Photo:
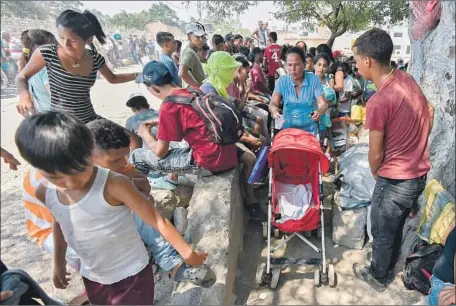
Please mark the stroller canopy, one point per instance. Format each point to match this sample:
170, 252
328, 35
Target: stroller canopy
296, 153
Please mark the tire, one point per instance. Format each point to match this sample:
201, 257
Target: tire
261, 271
275, 278
331, 275
265, 230
276, 233
317, 279
319, 232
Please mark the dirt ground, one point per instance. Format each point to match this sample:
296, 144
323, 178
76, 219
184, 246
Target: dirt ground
296, 282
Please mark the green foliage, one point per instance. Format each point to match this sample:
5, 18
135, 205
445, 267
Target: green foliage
342, 16
158, 12
40, 10
225, 9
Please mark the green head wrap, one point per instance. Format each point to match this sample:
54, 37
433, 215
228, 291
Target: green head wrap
220, 71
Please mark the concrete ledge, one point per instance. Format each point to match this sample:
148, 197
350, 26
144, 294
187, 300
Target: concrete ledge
215, 225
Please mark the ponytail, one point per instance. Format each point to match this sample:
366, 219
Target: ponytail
85, 25
96, 26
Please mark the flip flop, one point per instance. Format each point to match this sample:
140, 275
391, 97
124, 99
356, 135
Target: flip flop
162, 183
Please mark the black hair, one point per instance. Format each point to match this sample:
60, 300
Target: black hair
55, 142
217, 40
178, 45
85, 24
283, 52
205, 47
138, 102
305, 45
324, 48
244, 50
308, 55
321, 56
298, 51
393, 64
108, 135
163, 37
273, 36
254, 53
313, 51
346, 67
238, 36
376, 44
241, 58
32, 39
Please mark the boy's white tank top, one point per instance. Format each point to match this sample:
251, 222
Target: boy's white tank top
104, 236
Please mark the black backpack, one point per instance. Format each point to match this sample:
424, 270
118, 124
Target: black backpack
222, 118
424, 258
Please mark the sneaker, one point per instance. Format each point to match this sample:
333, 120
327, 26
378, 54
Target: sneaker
365, 275
180, 219
256, 213
201, 276
162, 183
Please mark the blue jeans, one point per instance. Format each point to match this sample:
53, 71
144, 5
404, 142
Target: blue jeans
437, 285
391, 203
134, 56
166, 257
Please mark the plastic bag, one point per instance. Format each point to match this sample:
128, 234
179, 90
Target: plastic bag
348, 226
358, 182
261, 165
426, 16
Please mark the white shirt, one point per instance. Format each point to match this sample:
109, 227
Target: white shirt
103, 236
348, 87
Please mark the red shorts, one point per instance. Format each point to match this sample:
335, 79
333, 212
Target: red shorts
134, 290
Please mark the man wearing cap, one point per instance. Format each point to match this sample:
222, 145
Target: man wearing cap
229, 44
177, 122
190, 69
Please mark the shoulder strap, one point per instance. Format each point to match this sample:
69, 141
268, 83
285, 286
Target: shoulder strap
179, 99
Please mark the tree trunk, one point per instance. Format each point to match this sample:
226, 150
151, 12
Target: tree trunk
331, 39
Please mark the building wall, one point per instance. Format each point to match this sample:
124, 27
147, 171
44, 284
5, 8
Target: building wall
433, 66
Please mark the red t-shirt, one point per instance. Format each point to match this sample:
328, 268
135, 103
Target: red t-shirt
400, 110
272, 55
257, 77
178, 121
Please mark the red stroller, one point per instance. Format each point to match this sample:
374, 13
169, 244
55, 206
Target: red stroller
296, 158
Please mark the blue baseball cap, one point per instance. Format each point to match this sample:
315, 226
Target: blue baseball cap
154, 73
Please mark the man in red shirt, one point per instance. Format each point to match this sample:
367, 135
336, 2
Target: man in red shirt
257, 74
399, 120
272, 56
179, 122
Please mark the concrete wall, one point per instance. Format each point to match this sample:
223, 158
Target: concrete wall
433, 66
216, 226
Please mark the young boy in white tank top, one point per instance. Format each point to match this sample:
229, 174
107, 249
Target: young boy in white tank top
92, 210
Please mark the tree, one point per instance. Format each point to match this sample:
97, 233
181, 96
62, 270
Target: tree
158, 12
339, 16
225, 9
40, 10
342, 16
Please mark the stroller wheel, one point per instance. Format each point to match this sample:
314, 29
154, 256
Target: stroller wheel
261, 273
331, 275
317, 281
319, 232
265, 230
276, 233
275, 278
308, 234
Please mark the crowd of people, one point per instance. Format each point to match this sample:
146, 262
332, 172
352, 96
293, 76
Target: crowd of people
87, 193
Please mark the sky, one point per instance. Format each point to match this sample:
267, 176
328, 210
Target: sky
248, 20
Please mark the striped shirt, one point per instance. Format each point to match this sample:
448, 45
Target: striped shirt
71, 93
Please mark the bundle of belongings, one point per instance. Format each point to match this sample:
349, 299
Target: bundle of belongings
351, 214
423, 245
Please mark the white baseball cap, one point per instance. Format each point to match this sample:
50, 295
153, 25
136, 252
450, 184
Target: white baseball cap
195, 28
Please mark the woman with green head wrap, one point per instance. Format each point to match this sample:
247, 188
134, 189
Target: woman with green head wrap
220, 73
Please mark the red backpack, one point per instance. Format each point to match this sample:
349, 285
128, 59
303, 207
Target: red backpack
222, 118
